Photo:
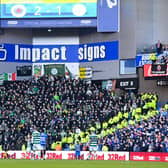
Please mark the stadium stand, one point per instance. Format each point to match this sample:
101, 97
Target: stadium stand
159, 52
69, 110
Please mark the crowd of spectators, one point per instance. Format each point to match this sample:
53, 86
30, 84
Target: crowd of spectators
148, 136
68, 110
161, 52
158, 52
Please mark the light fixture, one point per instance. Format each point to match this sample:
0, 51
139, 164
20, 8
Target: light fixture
49, 30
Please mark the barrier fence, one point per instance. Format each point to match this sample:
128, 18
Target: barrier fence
70, 155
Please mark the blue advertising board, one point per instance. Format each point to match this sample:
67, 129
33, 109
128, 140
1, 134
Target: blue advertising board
143, 59
108, 16
102, 51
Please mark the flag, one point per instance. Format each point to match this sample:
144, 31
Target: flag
68, 74
85, 72
54, 69
37, 70
10, 76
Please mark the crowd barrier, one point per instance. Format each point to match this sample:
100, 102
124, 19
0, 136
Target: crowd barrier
70, 155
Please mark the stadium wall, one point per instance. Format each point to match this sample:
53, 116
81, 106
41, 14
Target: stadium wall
160, 14
57, 36
20, 36
144, 23
23, 36
151, 24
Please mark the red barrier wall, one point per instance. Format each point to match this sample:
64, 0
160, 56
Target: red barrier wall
149, 156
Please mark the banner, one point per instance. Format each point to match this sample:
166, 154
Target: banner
24, 71
109, 85
85, 72
143, 59
165, 157
159, 68
138, 156
148, 71
149, 156
69, 155
127, 83
37, 71
162, 82
54, 69
108, 16
154, 157
102, 51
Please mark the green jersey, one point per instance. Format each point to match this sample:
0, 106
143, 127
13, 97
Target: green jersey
36, 137
93, 140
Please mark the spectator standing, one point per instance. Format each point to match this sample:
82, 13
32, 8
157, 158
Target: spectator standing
159, 47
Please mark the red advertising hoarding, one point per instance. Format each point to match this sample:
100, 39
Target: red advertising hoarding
149, 156
148, 71
137, 156
153, 156
68, 155
165, 157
